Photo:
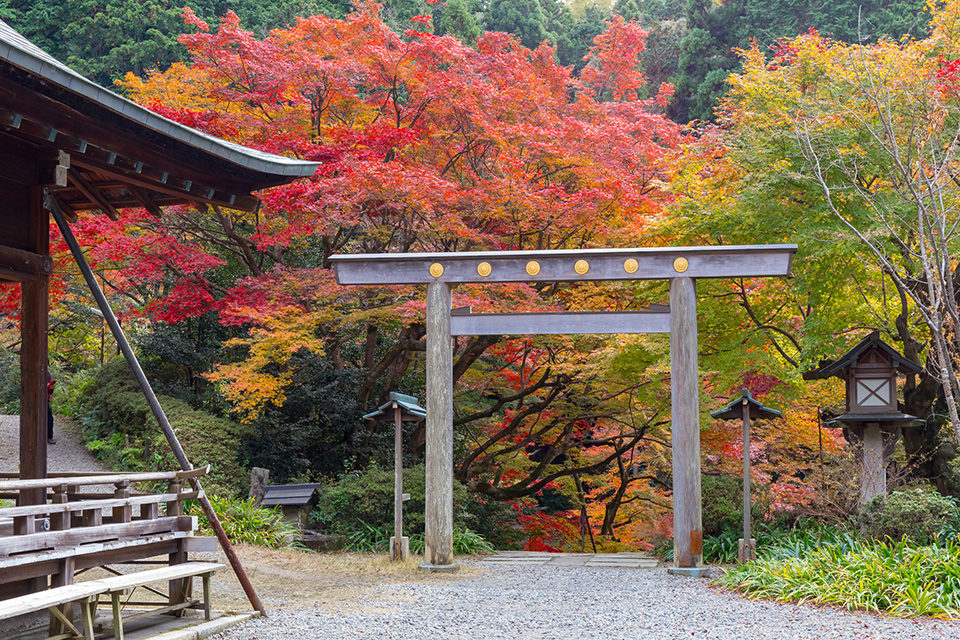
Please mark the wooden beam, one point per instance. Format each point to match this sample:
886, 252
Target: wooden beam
18, 264
145, 200
93, 195
508, 324
565, 265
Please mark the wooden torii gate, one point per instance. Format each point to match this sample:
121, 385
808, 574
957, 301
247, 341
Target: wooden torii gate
682, 266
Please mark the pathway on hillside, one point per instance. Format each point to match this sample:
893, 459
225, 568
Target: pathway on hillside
68, 454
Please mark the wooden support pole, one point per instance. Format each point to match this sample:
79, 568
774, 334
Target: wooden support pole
399, 548
873, 480
685, 424
746, 549
51, 204
33, 366
438, 529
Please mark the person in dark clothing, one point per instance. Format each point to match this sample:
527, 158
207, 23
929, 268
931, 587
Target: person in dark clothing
51, 383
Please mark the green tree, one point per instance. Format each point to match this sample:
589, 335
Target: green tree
522, 18
457, 19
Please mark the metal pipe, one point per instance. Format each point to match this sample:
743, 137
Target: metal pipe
50, 203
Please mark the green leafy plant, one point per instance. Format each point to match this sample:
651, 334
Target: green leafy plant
892, 577
772, 542
245, 521
915, 514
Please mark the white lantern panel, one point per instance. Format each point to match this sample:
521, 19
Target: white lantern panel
873, 392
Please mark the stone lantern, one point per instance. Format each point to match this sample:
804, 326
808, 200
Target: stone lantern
870, 371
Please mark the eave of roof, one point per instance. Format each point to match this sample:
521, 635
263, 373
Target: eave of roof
836, 367
734, 409
22, 53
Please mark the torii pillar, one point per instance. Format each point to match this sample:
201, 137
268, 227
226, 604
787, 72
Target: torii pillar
682, 266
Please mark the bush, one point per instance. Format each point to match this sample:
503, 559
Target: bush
361, 500
893, 577
244, 521
723, 504
120, 430
914, 514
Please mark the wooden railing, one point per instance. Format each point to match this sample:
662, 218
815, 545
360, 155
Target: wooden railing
69, 517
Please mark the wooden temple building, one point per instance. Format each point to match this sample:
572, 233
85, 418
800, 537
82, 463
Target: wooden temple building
67, 146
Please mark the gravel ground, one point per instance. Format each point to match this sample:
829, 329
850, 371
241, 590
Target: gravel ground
68, 454
548, 603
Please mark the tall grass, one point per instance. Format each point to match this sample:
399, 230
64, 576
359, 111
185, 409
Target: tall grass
892, 577
377, 539
772, 542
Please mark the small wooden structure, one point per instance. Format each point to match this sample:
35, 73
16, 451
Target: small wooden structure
68, 145
440, 272
399, 409
746, 408
870, 370
296, 501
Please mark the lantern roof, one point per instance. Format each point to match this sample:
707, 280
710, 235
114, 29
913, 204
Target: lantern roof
734, 408
839, 367
410, 411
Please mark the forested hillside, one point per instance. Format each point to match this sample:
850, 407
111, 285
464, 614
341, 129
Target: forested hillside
526, 124
691, 43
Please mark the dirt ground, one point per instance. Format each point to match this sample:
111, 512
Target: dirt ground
332, 582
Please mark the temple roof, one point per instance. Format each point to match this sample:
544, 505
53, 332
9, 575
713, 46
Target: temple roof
114, 143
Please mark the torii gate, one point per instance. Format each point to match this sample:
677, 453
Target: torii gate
681, 265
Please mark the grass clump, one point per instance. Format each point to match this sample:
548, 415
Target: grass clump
891, 577
245, 522
369, 538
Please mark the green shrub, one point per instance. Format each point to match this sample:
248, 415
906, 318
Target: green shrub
915, 514
892, 577
244, 521
364, 499
120, 430
723, 504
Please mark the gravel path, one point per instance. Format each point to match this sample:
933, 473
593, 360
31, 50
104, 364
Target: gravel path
580, 603
68, 454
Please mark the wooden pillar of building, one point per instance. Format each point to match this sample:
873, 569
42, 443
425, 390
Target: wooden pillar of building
438, 527
33, 358
685, 421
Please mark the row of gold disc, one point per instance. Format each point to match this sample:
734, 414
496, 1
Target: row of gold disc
630, 265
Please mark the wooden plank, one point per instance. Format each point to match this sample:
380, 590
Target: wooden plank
566, 265
84, 535
41, 600
506, 324
438, 529
83, 505
685, 422
113, 478
163, 574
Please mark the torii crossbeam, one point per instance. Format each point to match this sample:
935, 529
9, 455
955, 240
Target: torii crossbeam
680, 265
